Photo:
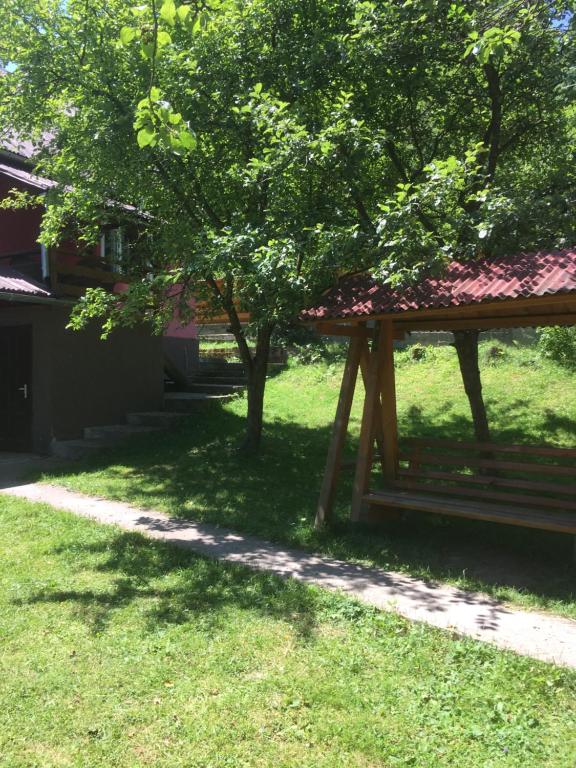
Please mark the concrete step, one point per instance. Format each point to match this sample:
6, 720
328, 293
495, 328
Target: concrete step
215, 389
116, 432
186, 402
238, 381
219, 367
77, 449
160, 419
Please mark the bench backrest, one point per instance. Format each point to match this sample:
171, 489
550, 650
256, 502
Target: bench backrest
537, 476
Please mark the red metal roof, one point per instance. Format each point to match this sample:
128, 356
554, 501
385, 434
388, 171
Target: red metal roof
524, 275
12, 281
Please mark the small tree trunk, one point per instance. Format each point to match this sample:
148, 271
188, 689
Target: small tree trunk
466, 343
257, 370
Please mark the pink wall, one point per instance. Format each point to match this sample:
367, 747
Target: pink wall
19, 230
177, 330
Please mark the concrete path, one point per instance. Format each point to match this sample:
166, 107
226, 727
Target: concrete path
537, 635
17, 466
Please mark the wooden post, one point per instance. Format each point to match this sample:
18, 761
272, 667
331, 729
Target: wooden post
364, 364
388, 412
370, 413
339, 431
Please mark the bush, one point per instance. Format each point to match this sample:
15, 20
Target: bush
559, 344
318, 351
494, 353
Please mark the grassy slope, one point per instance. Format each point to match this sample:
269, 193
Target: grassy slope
194, 472
118, 651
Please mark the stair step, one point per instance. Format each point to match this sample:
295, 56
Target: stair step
116, 432
215, 389
238, 381
184, 402
76, 449
161, 419
219, 366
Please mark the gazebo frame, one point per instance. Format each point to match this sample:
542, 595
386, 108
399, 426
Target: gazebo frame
371, 353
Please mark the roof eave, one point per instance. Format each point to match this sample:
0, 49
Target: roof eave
29, 298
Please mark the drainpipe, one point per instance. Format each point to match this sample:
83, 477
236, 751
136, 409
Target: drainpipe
45, 262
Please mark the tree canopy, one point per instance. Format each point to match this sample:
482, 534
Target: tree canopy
270, 145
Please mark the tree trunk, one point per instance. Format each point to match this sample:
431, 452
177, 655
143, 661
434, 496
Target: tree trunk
257, 370
466, 343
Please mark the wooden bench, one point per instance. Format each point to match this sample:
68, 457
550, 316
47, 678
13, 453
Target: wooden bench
524, 485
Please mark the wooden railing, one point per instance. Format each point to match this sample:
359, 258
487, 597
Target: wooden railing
82, 277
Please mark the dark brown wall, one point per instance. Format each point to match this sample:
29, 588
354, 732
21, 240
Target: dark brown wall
80, 381
97, 382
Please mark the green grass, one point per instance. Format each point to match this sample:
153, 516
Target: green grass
119, 652
194, 472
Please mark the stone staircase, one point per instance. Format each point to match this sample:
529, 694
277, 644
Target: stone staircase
216, 381
218, 377
96, 439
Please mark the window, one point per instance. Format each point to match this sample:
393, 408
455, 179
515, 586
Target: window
114, 248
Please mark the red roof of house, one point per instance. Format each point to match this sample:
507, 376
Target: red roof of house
12, 281
524, 275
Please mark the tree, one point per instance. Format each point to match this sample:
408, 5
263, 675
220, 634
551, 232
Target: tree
466, 146
272, 143
205, 122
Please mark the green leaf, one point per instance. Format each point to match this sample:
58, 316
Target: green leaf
187, 139
146, 137
168, 12
163, 38
183, 12
127, 34
258, 88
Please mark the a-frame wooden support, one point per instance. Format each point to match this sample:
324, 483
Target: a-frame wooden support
378, 419
339, 431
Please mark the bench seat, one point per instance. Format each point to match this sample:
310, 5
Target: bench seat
530, 517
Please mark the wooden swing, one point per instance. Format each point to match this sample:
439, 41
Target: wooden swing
532, 486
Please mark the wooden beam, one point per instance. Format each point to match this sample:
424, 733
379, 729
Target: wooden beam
516, 321
367, 429
389, 419
341, 329
339, 431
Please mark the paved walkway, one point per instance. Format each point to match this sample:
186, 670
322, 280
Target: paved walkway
538, 635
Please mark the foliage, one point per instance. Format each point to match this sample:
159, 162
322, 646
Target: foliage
273, 145
559, 344
193, 472
319, 351
494, 354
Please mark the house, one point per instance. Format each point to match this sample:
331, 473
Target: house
54, 382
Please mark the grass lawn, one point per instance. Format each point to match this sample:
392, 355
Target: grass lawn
194, 472
120, 652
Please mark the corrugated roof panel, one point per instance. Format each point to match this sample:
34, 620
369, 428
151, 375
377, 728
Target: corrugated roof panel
12, 281
524, 275
26, 177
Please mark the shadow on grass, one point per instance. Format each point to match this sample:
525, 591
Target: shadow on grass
194, 472
174, 587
